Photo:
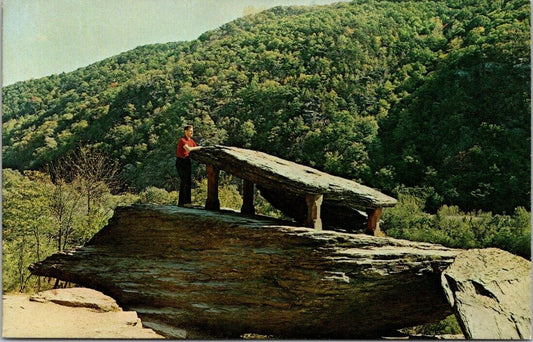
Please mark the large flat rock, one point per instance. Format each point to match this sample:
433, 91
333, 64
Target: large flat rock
192, 273
278, 174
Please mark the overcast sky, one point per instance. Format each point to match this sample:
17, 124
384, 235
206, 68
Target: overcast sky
44, 37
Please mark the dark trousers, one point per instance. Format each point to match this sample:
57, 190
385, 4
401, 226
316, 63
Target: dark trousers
183, 166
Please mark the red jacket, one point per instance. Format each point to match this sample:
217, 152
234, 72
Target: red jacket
181, 152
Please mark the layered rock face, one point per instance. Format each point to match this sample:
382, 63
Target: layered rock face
490, 291
191, 273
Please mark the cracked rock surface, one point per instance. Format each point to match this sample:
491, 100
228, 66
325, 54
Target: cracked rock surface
192, 273
490, 292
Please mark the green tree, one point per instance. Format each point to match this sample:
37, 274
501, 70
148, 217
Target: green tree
27, 225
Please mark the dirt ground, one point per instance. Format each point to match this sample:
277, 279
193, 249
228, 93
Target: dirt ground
22, 318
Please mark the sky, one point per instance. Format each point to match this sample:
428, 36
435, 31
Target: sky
45, 37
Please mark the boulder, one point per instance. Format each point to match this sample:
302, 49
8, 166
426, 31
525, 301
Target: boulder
77, 297
490, 292
193, 273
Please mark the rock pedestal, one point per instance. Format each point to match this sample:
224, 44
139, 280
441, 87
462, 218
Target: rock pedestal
200, 274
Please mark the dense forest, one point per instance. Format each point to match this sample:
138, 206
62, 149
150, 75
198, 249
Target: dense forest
426, 100
395, 94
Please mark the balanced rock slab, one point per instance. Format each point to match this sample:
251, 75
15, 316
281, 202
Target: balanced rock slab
285, 184
490, 291
280, 174
192, 273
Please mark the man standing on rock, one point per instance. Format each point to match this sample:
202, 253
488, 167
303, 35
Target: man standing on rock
183, 165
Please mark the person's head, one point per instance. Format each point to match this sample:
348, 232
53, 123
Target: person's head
188, 131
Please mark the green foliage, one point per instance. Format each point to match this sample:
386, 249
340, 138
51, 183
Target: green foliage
26, 225
229, 194
40, 218
429, 100
453, 228
466, 130
431, 94
158, 196
449, 325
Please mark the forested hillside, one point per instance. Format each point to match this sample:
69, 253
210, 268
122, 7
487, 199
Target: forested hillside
432, 96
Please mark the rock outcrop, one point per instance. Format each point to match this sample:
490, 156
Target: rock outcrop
77, 297
287, 186
192, 273
490, 292
73, 313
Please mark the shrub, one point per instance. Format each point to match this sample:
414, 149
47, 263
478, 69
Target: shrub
453, 228
158, 196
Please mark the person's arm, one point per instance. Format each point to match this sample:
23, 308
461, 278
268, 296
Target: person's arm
189, 149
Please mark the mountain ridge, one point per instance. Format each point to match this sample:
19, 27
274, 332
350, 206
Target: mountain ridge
383, 92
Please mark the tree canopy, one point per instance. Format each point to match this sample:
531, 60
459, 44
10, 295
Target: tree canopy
421, 94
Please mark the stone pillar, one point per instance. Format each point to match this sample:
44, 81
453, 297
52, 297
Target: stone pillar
212, 202
372, 227
247, 197
313, 211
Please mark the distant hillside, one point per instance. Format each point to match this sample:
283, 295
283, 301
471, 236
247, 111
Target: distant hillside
429, 95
